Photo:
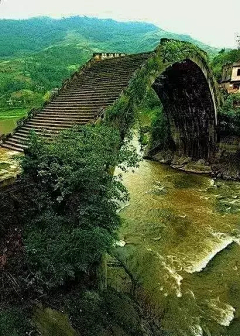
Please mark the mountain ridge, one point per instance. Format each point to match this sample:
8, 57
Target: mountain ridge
21, 37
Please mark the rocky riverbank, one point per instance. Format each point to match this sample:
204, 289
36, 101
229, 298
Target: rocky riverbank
225, 164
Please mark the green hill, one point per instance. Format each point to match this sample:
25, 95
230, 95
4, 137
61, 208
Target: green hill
23, 37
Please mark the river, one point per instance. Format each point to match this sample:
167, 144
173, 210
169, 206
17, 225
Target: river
180, 239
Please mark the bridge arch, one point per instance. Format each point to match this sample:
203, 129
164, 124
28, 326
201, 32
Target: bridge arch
189, 103
180, 75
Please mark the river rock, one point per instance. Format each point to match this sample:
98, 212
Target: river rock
201, 162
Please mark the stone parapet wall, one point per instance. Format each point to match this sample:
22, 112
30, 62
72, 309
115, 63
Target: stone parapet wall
101, 56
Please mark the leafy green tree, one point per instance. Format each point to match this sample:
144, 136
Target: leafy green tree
75, 201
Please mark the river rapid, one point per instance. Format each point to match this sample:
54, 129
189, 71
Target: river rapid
180, 240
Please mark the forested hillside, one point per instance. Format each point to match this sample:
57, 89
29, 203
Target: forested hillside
38, 53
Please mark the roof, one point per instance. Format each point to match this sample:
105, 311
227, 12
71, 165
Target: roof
236, 64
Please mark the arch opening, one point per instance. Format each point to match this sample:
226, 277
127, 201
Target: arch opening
188, 105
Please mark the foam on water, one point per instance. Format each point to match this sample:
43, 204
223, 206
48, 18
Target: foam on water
196, 330
223, 313
171, 275
216, 248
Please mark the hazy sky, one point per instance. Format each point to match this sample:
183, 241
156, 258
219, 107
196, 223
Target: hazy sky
212, 21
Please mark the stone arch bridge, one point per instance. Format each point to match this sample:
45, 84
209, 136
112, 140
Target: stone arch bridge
111, 83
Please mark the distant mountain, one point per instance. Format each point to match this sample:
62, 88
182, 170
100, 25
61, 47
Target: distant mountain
23, 37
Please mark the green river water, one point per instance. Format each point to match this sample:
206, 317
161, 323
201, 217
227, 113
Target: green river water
181, 239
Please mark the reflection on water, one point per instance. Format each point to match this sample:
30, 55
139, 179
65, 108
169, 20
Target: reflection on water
8, 125
182, 245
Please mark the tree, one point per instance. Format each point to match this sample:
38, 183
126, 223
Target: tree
76, 199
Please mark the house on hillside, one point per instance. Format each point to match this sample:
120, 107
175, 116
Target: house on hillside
231, 77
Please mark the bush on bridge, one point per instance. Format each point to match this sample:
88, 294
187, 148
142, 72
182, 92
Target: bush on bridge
75, 201
176, 51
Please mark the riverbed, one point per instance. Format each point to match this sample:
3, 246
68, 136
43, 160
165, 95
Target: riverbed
180, 240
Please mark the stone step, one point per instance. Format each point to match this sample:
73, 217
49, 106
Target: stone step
98, 88
77, 107
66, 113
48, 128
93, 92
101, 79
20, 136
72, 116
59, 120
78, 102
39, 132
107, 98
12, 147
104, 77
100, 85
25, 132
18, 146
81, 96
71, 112
49, 124
120, 65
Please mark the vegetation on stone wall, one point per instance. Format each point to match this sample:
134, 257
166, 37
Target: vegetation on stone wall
160, 133
177, 51
124, 111
229, 116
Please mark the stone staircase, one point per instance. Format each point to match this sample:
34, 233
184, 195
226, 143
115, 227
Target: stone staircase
83, 99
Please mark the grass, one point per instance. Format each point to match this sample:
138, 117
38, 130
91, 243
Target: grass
12, 113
